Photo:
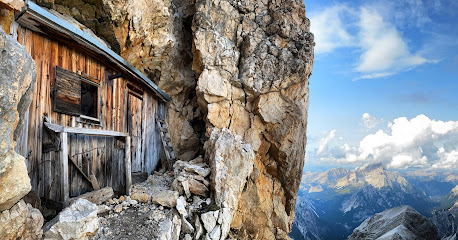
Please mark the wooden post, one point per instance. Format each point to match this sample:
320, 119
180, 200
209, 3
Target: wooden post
127, 162
64, 168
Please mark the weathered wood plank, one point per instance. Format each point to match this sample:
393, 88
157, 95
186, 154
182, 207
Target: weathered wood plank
84, 131
73, 146
87, 160
127, 163
64, 168
143, 132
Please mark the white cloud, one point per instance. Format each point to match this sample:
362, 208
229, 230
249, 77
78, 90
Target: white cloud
329, 30
384, 49
418, 142
323, 148
376, 75
448, 160
368, 121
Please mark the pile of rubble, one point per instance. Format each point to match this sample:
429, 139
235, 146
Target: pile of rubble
168, 205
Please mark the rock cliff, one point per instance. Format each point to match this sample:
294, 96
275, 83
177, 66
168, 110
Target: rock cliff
446, 221
239, 65
402, 222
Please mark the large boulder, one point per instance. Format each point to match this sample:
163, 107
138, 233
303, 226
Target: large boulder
78, 222
22, 221
399, 223
156, 189
16, 87
14, 180
231, 162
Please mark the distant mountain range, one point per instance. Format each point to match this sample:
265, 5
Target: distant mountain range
333, 203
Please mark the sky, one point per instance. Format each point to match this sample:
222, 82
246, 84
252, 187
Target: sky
384, 86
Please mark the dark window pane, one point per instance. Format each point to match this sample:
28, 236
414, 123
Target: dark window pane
89, 99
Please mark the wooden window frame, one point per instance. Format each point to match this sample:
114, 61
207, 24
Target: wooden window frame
83, 77
87, 119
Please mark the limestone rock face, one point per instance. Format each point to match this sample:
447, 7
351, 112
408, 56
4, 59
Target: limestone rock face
12, 4
22, 221
253, 60
155, 36
396, 223
16, 86
79, 221
231, 162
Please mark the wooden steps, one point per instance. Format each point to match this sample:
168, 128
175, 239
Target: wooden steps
166, 142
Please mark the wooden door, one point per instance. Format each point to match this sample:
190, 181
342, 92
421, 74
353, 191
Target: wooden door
134, 119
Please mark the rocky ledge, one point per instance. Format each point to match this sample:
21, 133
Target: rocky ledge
399, 223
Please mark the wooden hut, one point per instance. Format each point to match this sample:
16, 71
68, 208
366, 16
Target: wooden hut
92, 116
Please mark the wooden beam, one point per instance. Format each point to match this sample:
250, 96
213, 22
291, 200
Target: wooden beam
64, 168
85, 131
113, 76
127, 162
54, 127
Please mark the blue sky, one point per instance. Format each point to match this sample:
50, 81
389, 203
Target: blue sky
384, 86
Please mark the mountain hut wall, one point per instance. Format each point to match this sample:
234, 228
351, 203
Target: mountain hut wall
119, 103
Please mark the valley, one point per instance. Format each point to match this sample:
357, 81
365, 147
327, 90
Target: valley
333, 203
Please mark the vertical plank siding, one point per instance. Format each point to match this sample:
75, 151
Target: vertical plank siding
101, 156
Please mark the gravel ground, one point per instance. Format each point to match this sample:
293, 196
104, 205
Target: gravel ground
140, 222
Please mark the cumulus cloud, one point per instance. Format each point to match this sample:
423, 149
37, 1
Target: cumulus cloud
368, 121
329, 30
322, 149
383, 50
419, 142
448, 160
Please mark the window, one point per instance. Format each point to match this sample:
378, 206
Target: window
89, 99
77, 94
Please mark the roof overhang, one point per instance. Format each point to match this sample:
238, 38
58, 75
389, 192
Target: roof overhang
40, 20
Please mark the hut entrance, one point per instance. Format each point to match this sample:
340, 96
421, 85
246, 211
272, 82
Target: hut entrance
134, 124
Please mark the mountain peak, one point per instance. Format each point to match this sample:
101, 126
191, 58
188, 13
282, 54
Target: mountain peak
401, 222
373, 167
454, 191
372, 174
